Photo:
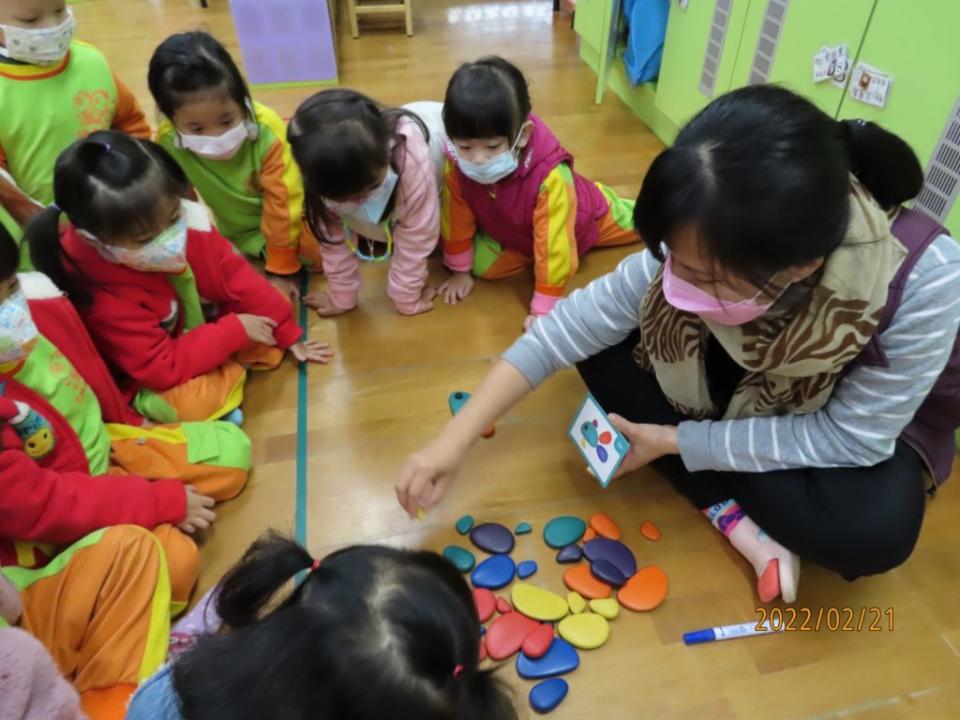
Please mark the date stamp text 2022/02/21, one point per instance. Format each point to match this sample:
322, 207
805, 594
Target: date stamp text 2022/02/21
832, 619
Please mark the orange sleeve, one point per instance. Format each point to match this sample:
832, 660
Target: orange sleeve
457, 223
129, 117
282, 208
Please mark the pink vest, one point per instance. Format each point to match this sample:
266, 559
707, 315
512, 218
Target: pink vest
505, 210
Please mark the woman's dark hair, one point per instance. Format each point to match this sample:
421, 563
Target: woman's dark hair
9, 254
191, 62
108, 184
373, 633
486, 99
763, 176
341, 140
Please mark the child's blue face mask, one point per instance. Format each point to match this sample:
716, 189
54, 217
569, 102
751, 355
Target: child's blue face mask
494, 169
371, 209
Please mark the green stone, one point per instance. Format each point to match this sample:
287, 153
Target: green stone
464, 524
563, 531
522, 528
462, 559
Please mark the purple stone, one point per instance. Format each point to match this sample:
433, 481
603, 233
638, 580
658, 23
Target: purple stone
492, 538
570, 554
608, 572
615, 553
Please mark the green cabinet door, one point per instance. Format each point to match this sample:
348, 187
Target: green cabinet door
591, 21
781, 37
699, 54
917, 43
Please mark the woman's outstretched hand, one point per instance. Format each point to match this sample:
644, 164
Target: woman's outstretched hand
427, 475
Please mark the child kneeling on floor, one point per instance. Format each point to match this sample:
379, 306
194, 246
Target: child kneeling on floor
367, 633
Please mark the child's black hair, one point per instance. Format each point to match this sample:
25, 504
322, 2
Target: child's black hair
763, 176
9, 254
486, 99
108, 184
341, 140
373, 633
191, 62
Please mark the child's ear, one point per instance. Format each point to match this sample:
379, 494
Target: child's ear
526, 132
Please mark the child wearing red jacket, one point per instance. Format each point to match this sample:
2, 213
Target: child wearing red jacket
173, 308
79, 472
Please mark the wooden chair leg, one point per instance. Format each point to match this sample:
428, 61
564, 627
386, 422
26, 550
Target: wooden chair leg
409, 13
352, 14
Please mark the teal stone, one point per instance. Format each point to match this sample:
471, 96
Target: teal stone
563, 531
522, 528
464, 524
462, 559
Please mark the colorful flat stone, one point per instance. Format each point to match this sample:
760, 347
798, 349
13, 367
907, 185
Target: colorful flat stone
615, 553
526, 569
580, 579
462, 559
570, 554
536, 644
589, 534
506, 634
650, 531
503, 606
546, 696
523, 528
586, 631
576, 602
608, 573
464, 524
486, 603
492, 538
645, 590
494, 572
608, 608
564, 530
538, 603
605, 526
561, 658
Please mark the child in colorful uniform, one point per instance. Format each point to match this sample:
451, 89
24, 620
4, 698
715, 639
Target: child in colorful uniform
74, 459
141, 264
511, 196
235, 153
369, 173
53, 90
365, 629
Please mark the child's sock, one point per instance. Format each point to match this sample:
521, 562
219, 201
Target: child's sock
778, 569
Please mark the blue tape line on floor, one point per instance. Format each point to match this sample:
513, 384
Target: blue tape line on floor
301, 496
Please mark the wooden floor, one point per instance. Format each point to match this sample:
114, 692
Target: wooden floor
386, 393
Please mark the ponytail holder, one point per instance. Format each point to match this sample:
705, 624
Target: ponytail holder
107, 148
457, 671
286, 591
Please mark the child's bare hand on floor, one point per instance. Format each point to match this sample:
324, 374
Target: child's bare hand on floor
312, 351
199, 515
457, 287
321, 301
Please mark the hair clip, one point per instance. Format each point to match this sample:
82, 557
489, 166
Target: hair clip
286, 591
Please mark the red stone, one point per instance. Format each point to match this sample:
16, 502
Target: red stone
486, 603
503, 605
536, 644
506, 634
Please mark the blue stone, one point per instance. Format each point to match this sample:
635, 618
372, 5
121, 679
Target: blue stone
483, 630
570, 554
560, 659
608, 572
492, 538
494, 573
615, 553
464, 524
526, 569
462, 559
523, 528
547, 695
563, 531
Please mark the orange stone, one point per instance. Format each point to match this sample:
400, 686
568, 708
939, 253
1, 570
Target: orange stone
650, 531
604, 526
580, 578
589, 534
645, 590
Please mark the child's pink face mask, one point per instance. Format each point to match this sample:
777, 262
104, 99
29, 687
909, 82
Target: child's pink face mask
689, 298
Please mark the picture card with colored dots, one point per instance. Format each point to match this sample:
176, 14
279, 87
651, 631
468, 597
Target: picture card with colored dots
598, 441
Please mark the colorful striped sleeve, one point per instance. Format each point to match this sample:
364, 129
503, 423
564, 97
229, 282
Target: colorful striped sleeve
282, 197
457, 223
554, 238
128, 116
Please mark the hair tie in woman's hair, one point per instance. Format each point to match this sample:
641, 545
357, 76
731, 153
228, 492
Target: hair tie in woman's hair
286, 591
107, 148
458, 671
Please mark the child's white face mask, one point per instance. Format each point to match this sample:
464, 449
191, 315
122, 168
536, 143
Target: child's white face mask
373, 206
39, 46
493, 170
17, 330
166, 253
217, 147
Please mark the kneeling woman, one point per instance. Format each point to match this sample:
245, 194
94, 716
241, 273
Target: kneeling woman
773, 378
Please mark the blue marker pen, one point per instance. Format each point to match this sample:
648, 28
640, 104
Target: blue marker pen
724, 632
